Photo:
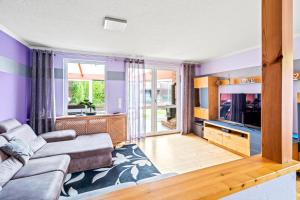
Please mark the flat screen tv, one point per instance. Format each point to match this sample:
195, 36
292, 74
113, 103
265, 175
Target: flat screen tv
241, 108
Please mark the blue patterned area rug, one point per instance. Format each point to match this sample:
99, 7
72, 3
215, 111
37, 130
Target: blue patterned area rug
130, 164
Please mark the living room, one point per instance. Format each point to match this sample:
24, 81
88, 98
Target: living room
149, 100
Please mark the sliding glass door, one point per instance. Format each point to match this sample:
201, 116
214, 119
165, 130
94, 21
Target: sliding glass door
162, 100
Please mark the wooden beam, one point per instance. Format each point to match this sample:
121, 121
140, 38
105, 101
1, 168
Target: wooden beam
277, 79
86, 76
80, 69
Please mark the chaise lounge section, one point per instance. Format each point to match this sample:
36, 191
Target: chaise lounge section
86, 151
45, 172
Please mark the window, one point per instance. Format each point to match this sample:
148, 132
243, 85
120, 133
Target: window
165, 91
85, 81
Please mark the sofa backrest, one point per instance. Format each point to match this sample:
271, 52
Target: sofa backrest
8, 125
23, 132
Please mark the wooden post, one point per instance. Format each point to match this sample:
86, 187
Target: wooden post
277, 79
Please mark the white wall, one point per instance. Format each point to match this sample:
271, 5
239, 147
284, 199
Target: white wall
282, 188
247, 88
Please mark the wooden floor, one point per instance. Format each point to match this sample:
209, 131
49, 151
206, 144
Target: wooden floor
179, 153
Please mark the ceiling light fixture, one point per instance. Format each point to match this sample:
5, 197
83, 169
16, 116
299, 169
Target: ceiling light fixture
114, 24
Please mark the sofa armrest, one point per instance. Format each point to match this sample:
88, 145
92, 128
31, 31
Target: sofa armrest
56, 136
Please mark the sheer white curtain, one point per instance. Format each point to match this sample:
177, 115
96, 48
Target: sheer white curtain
136, 101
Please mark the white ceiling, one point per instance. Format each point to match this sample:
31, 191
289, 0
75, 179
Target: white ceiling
168, 29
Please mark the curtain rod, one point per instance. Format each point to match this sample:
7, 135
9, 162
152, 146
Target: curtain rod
191, 62
111, 56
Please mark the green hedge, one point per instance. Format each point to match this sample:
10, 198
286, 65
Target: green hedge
79, 90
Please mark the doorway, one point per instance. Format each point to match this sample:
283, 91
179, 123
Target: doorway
162, 108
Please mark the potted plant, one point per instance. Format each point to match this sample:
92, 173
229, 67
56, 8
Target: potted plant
87, 104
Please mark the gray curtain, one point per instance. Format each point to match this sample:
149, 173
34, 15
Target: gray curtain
188, 71
42, 116
136, 98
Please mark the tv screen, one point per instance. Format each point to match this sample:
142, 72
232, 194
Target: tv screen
241, 108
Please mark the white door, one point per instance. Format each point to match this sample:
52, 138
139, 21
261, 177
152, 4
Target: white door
162, 100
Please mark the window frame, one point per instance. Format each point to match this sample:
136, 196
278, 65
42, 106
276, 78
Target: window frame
66, 80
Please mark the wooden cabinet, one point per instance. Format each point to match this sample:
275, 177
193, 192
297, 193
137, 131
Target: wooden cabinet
296, 150
201, 113
114, 125
201, 82
213, 135
237, 143
235, 140
206, 98
117, 129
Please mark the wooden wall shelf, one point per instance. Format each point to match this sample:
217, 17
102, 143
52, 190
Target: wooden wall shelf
296, 76
206, 98
248, 80
240, 81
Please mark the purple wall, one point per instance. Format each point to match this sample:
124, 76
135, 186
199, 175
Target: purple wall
14, 86
244, 61
115, 89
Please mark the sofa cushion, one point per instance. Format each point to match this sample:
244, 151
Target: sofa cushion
56, 136
40, 187
99, 192
37, 143
8, 125
91, 162
44, 165
3, 156
82, 146
18, 149
8, 168
23, 132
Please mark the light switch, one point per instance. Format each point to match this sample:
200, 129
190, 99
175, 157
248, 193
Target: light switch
120, 103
